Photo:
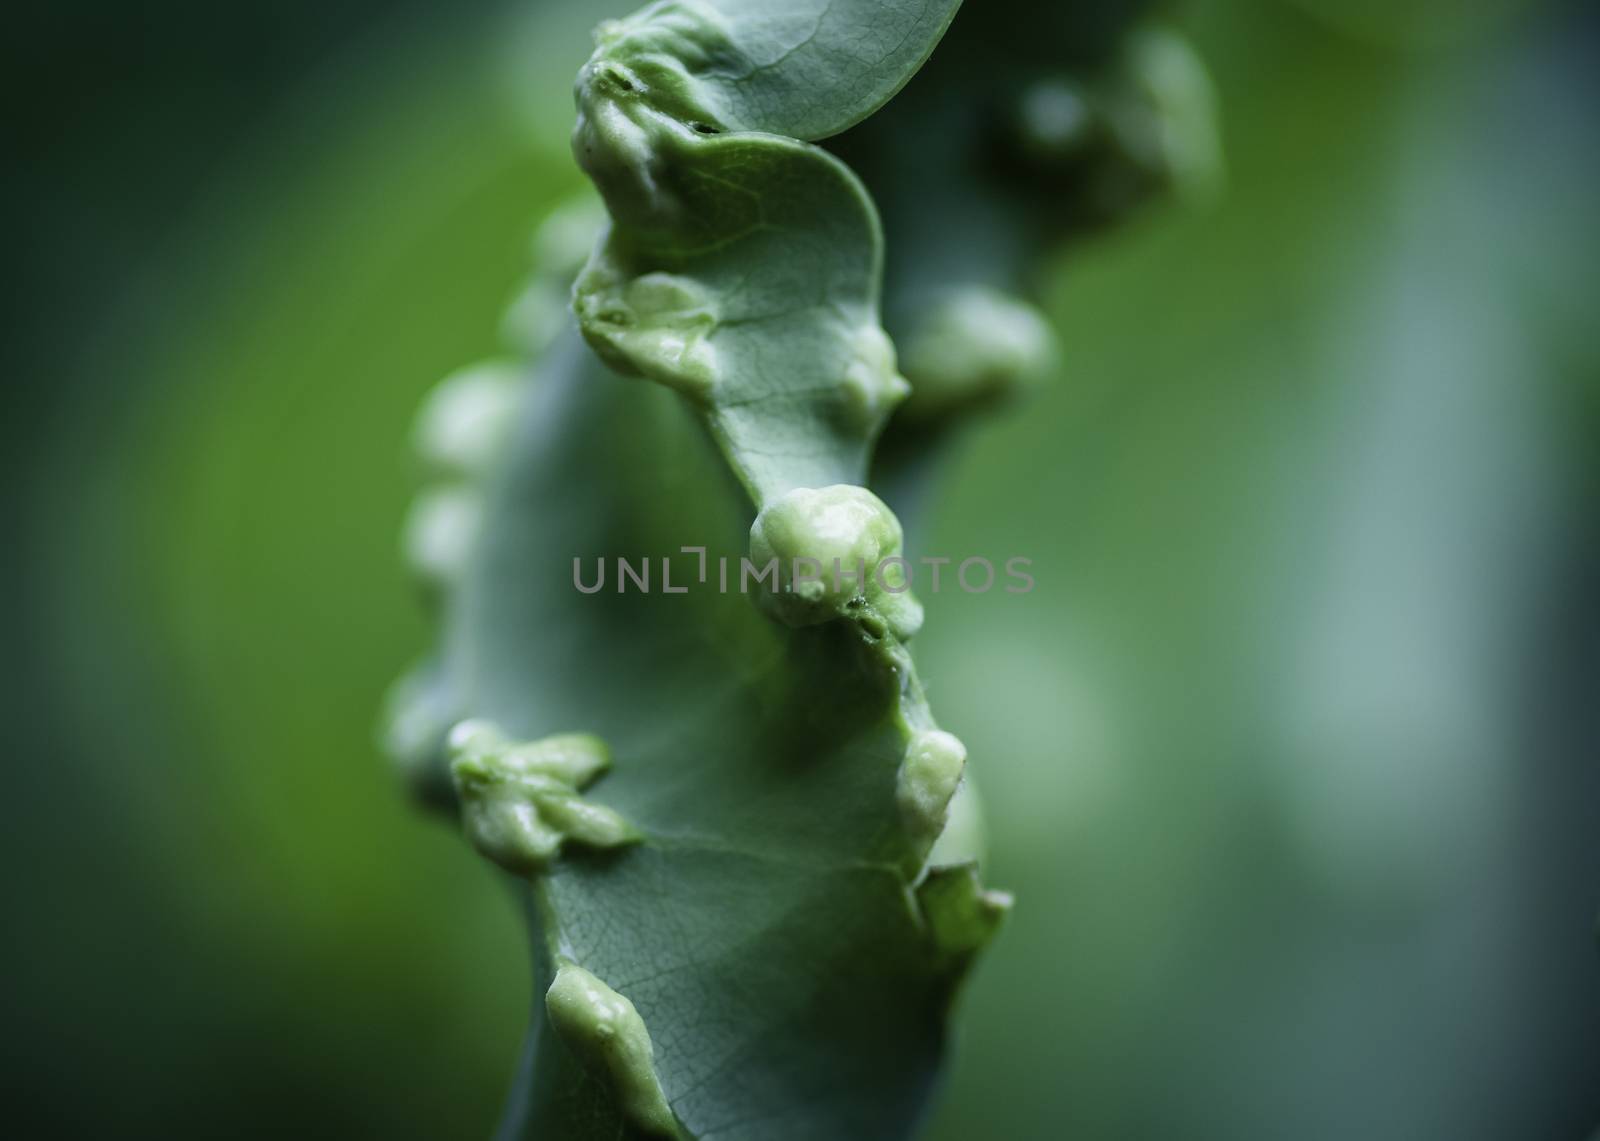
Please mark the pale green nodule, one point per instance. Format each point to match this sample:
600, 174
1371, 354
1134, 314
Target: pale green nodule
1180, 90
964, 839
1055, 118
835, 549
563, 242
974, 347
657, 325
928, 779
606, 1033
467, 418
520, 802
461, 431
961, 916
419, 713
872, 384
1145, 121
440, 529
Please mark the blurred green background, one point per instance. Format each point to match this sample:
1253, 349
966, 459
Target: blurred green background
1293, 759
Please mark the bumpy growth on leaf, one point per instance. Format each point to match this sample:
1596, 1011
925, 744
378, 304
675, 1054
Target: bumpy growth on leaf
751, 904
742, 267
520, 802
605, 1031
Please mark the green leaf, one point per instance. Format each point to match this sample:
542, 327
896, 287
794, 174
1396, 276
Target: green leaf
755, 307
723, 802
737, 932
765, 927
742, 268
805, 68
